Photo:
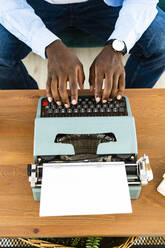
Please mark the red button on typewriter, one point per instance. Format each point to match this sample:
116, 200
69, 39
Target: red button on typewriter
45, 103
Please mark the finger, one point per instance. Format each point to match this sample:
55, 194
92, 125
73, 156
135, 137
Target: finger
63, 91
92, 78
121, 89
73, 84
98, 84
48, 89
81, 77
114, 86
107, 88
55, 92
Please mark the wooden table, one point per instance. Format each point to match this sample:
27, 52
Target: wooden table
19, 213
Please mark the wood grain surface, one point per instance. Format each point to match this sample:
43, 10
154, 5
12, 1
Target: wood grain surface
19, 213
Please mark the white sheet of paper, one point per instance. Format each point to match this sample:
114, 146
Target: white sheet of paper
84, 189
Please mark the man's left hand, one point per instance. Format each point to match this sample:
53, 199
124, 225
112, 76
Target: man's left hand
108, 65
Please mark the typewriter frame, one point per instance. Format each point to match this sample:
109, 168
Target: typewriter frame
46, 130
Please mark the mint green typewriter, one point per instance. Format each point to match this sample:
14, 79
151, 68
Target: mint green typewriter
87, 132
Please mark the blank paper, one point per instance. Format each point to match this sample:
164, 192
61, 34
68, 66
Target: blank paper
84, 189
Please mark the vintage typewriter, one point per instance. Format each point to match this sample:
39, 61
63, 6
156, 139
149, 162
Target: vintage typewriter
87, 132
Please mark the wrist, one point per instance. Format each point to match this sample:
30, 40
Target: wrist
54, 45
109, 49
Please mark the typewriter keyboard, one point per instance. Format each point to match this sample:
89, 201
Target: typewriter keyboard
86, 106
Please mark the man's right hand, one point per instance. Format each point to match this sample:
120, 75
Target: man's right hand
63, 66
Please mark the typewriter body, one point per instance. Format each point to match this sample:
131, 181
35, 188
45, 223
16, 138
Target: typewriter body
88, 132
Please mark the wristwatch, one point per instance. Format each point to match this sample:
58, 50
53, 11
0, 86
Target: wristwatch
117, 45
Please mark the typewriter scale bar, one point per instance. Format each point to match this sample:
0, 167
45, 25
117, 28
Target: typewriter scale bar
86, 106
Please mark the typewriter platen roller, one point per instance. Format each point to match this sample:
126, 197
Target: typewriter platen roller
88, 132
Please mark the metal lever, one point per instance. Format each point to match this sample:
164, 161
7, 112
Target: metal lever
32, 177
145, 170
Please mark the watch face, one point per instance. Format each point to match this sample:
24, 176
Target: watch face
118, 45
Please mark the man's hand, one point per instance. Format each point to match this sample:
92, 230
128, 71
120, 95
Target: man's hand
63, 66
107, 65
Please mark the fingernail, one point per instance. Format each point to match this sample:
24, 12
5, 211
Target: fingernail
97, 99
110, 99
50, 99
74, 102
118, 97
104, 101
66, 106
58, 103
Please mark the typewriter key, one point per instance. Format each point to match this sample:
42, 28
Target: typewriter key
56, 111
82, 110
115, 110
85, 106
63, 111
121, 110
110, 105
69, 110
102, 110
89, 110
117, 105
75, 111
122, 104
52, 104
108, 110
50, 111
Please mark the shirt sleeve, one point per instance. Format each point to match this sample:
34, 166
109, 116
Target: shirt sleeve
19, 18
134, 18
